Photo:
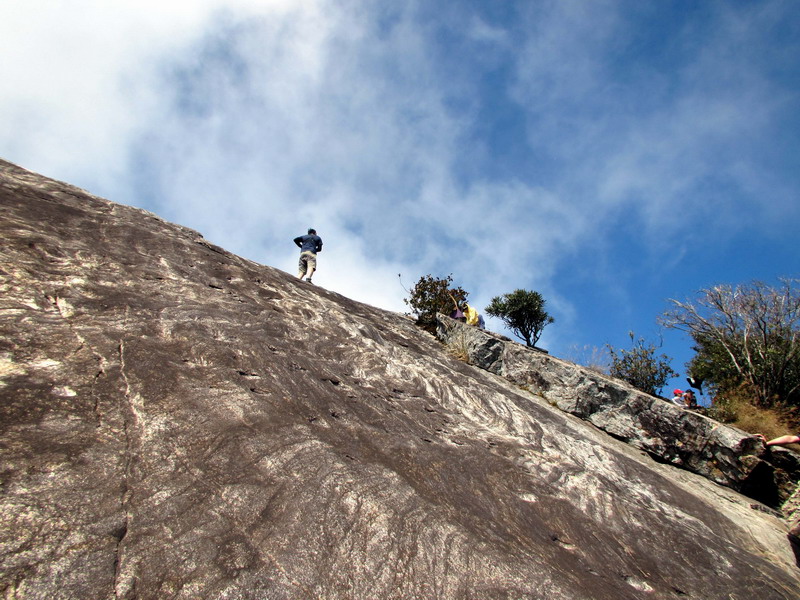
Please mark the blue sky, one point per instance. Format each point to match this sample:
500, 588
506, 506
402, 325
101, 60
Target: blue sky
609, 154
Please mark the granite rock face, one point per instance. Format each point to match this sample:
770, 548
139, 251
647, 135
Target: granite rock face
178, 422
723, 454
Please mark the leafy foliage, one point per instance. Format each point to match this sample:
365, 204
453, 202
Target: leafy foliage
711, 364
747, 335
523, 313
431, 295
640, 366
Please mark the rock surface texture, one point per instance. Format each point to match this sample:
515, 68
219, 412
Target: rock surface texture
178, 422
723, 454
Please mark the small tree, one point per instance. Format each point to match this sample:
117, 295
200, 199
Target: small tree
432, 295
745, 335
523, 313
640, 366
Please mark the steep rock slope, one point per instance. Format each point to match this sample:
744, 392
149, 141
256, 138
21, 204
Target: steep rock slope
178, 422
723, 454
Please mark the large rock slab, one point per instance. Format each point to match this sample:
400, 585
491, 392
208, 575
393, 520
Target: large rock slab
178, 422
723, 454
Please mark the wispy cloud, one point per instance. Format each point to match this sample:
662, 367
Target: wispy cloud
653, 132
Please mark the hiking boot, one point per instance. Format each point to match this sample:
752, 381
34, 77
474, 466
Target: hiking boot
308, 279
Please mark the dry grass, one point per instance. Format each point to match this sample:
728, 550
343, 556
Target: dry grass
737, 409
759, 420
457, 347
591, 357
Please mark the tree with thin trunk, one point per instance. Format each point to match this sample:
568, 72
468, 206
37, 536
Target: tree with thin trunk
523, 313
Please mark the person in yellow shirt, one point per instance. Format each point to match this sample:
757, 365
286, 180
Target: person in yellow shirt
470, 315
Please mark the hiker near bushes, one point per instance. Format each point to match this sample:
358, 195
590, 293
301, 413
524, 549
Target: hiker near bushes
309, 245
689, 400
467, 314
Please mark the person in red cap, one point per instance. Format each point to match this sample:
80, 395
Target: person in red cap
677, 398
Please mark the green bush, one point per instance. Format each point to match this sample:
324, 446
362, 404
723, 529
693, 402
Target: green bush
431, 295
640, 366
523, 313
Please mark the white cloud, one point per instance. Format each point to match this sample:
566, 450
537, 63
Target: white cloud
76, 74
481, 31
647, 142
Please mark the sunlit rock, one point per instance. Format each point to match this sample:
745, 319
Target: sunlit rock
679, 437
178, 422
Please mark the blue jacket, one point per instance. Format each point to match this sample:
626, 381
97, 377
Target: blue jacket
309, 243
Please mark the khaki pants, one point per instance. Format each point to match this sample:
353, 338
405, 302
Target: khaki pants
307, 264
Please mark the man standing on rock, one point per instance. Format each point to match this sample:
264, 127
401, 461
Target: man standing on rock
309, 246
